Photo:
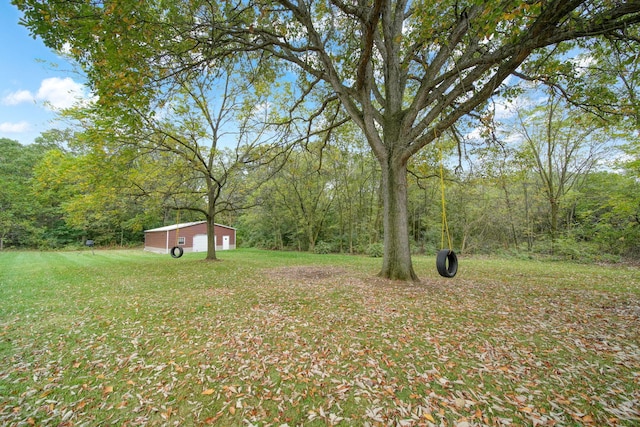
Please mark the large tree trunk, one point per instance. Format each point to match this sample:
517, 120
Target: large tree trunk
396, 263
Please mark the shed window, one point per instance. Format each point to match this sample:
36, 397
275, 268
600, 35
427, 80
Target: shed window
181, 241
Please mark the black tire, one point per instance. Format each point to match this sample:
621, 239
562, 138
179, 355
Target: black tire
447, 263
176, 252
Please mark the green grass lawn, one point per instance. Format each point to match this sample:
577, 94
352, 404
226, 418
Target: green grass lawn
129, 338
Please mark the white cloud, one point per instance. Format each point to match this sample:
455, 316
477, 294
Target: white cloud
66, 49
19, 127
474, 134
18, 97
503, 110
60, 93
582, 62
55, 93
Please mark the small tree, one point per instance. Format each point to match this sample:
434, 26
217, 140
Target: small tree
201, 143
562, 146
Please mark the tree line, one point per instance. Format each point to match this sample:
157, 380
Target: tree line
551, 180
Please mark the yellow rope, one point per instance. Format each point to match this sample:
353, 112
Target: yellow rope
177, 227
445, 225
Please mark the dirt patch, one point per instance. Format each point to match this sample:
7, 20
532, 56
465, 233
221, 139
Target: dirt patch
310, 273
328, 275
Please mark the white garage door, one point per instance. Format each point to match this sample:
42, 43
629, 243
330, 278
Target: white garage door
200, 243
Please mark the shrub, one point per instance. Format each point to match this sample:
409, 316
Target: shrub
375, 250
322, 248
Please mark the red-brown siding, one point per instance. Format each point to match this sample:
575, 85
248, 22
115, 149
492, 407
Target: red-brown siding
163, 239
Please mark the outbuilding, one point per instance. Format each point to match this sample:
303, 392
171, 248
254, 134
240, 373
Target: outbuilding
190, 236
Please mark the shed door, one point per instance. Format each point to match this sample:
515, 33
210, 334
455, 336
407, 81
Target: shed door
200, 243
225, 243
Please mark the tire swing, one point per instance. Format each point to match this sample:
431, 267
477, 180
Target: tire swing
177, 251
446, 260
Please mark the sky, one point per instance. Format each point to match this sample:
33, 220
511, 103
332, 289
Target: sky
34, 81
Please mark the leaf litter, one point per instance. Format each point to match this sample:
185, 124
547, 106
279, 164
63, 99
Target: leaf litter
312, 345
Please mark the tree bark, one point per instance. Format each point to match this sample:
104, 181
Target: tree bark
211, 223
555, 210
397, 264
211, 239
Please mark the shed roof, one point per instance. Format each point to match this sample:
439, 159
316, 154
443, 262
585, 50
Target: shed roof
183, 225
